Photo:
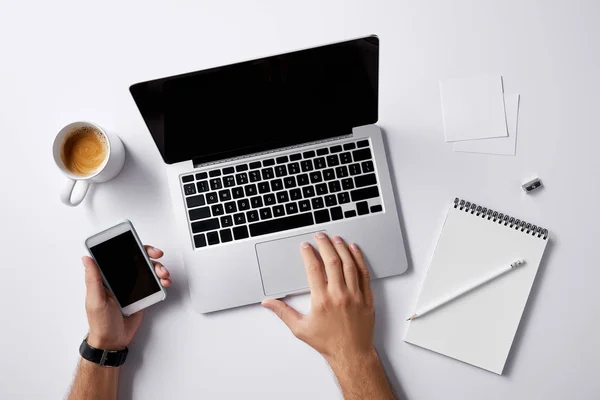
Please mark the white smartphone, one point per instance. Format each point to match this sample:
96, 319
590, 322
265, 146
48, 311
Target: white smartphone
126, 269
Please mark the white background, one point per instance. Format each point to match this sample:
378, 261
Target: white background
62, 61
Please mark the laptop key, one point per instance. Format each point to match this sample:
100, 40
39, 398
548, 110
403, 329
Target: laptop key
243, 204
321, 189
293, 168
189, 189
304, 205
346, 158
295, 157
362, 208
242, 178
322, 152
241, 168
276, 184
254, 176
343, 198
362, 154
187, 178
230, 207
239, 218
205, 225
282, 159
289, 182
303, 179
278, 211
295, 194
365, 180
347, 184
226, 235
317, 203
226, 221
256, 202
308, 154
330, 200
269, 199
201, 175
252, 216
216, 184
195, 201
202, 186
200, 240
341, 172
281, 224
268, 163
280, 170
362, 143
228, 181
336, 149
316, 177
333, 160
240, 232
228, 170
199, 213
319, 163
250, 190
329, 174
255, 165
306, 165
212, 238
349, 146
364, 193
336, 213
334, 186
267, 173
367, 166
376, 208
354, 169
263, 187
214, 172
212, 198
350, 214
322, 216
291, 208
237, 192
225, 195
217, 209
308, 191
265, 213
282, 197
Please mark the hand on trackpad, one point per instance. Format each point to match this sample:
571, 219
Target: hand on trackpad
281, 266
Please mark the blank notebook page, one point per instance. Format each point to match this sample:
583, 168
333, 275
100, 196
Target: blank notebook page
479, 327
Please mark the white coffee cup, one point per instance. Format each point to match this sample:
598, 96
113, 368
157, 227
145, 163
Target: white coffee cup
77, 185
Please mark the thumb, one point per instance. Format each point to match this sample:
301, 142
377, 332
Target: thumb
287, 314
93, 280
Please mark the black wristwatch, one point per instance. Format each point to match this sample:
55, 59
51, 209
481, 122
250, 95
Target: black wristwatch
106, 358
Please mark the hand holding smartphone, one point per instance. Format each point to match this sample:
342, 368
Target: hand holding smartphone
125, 267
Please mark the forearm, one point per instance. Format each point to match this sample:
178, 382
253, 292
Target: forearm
362, 377
93, 381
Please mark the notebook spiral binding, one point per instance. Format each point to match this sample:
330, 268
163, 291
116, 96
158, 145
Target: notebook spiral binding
504, 219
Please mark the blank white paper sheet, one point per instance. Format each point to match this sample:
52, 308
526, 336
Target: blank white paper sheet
473, 108
505, 146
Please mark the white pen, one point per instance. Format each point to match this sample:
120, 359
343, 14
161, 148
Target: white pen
467, 288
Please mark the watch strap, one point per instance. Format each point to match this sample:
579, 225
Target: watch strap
106, 358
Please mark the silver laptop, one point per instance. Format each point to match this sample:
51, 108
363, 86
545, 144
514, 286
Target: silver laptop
261, 155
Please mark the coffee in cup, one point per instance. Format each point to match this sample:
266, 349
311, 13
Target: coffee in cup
84, 150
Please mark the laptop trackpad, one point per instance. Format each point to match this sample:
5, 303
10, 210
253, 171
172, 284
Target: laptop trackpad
281, 266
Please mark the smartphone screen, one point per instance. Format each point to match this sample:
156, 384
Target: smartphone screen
125, 268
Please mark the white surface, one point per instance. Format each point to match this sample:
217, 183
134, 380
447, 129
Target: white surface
477, 328
473, 108
68, 60
501, 146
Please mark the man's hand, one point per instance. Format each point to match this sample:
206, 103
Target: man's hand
342, 317
109, 329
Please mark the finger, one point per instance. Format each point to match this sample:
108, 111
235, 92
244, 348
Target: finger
153, 252
161, 271
166, 282
333, 264
348, 265
93, 280
287, 314
314, 269
364, 278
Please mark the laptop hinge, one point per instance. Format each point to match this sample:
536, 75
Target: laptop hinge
198, 164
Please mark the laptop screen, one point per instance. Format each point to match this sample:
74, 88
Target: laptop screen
263, 104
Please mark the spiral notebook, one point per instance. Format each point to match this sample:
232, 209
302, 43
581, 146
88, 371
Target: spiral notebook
479, 327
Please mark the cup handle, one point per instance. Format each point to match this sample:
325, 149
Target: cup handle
78, 188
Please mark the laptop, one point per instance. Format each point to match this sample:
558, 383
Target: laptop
263, 154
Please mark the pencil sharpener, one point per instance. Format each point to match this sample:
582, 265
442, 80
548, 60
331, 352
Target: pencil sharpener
532, 185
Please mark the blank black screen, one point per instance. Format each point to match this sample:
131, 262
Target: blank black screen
125, 269
262, 104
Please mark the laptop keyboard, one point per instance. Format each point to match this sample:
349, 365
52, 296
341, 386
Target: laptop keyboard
301, 189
